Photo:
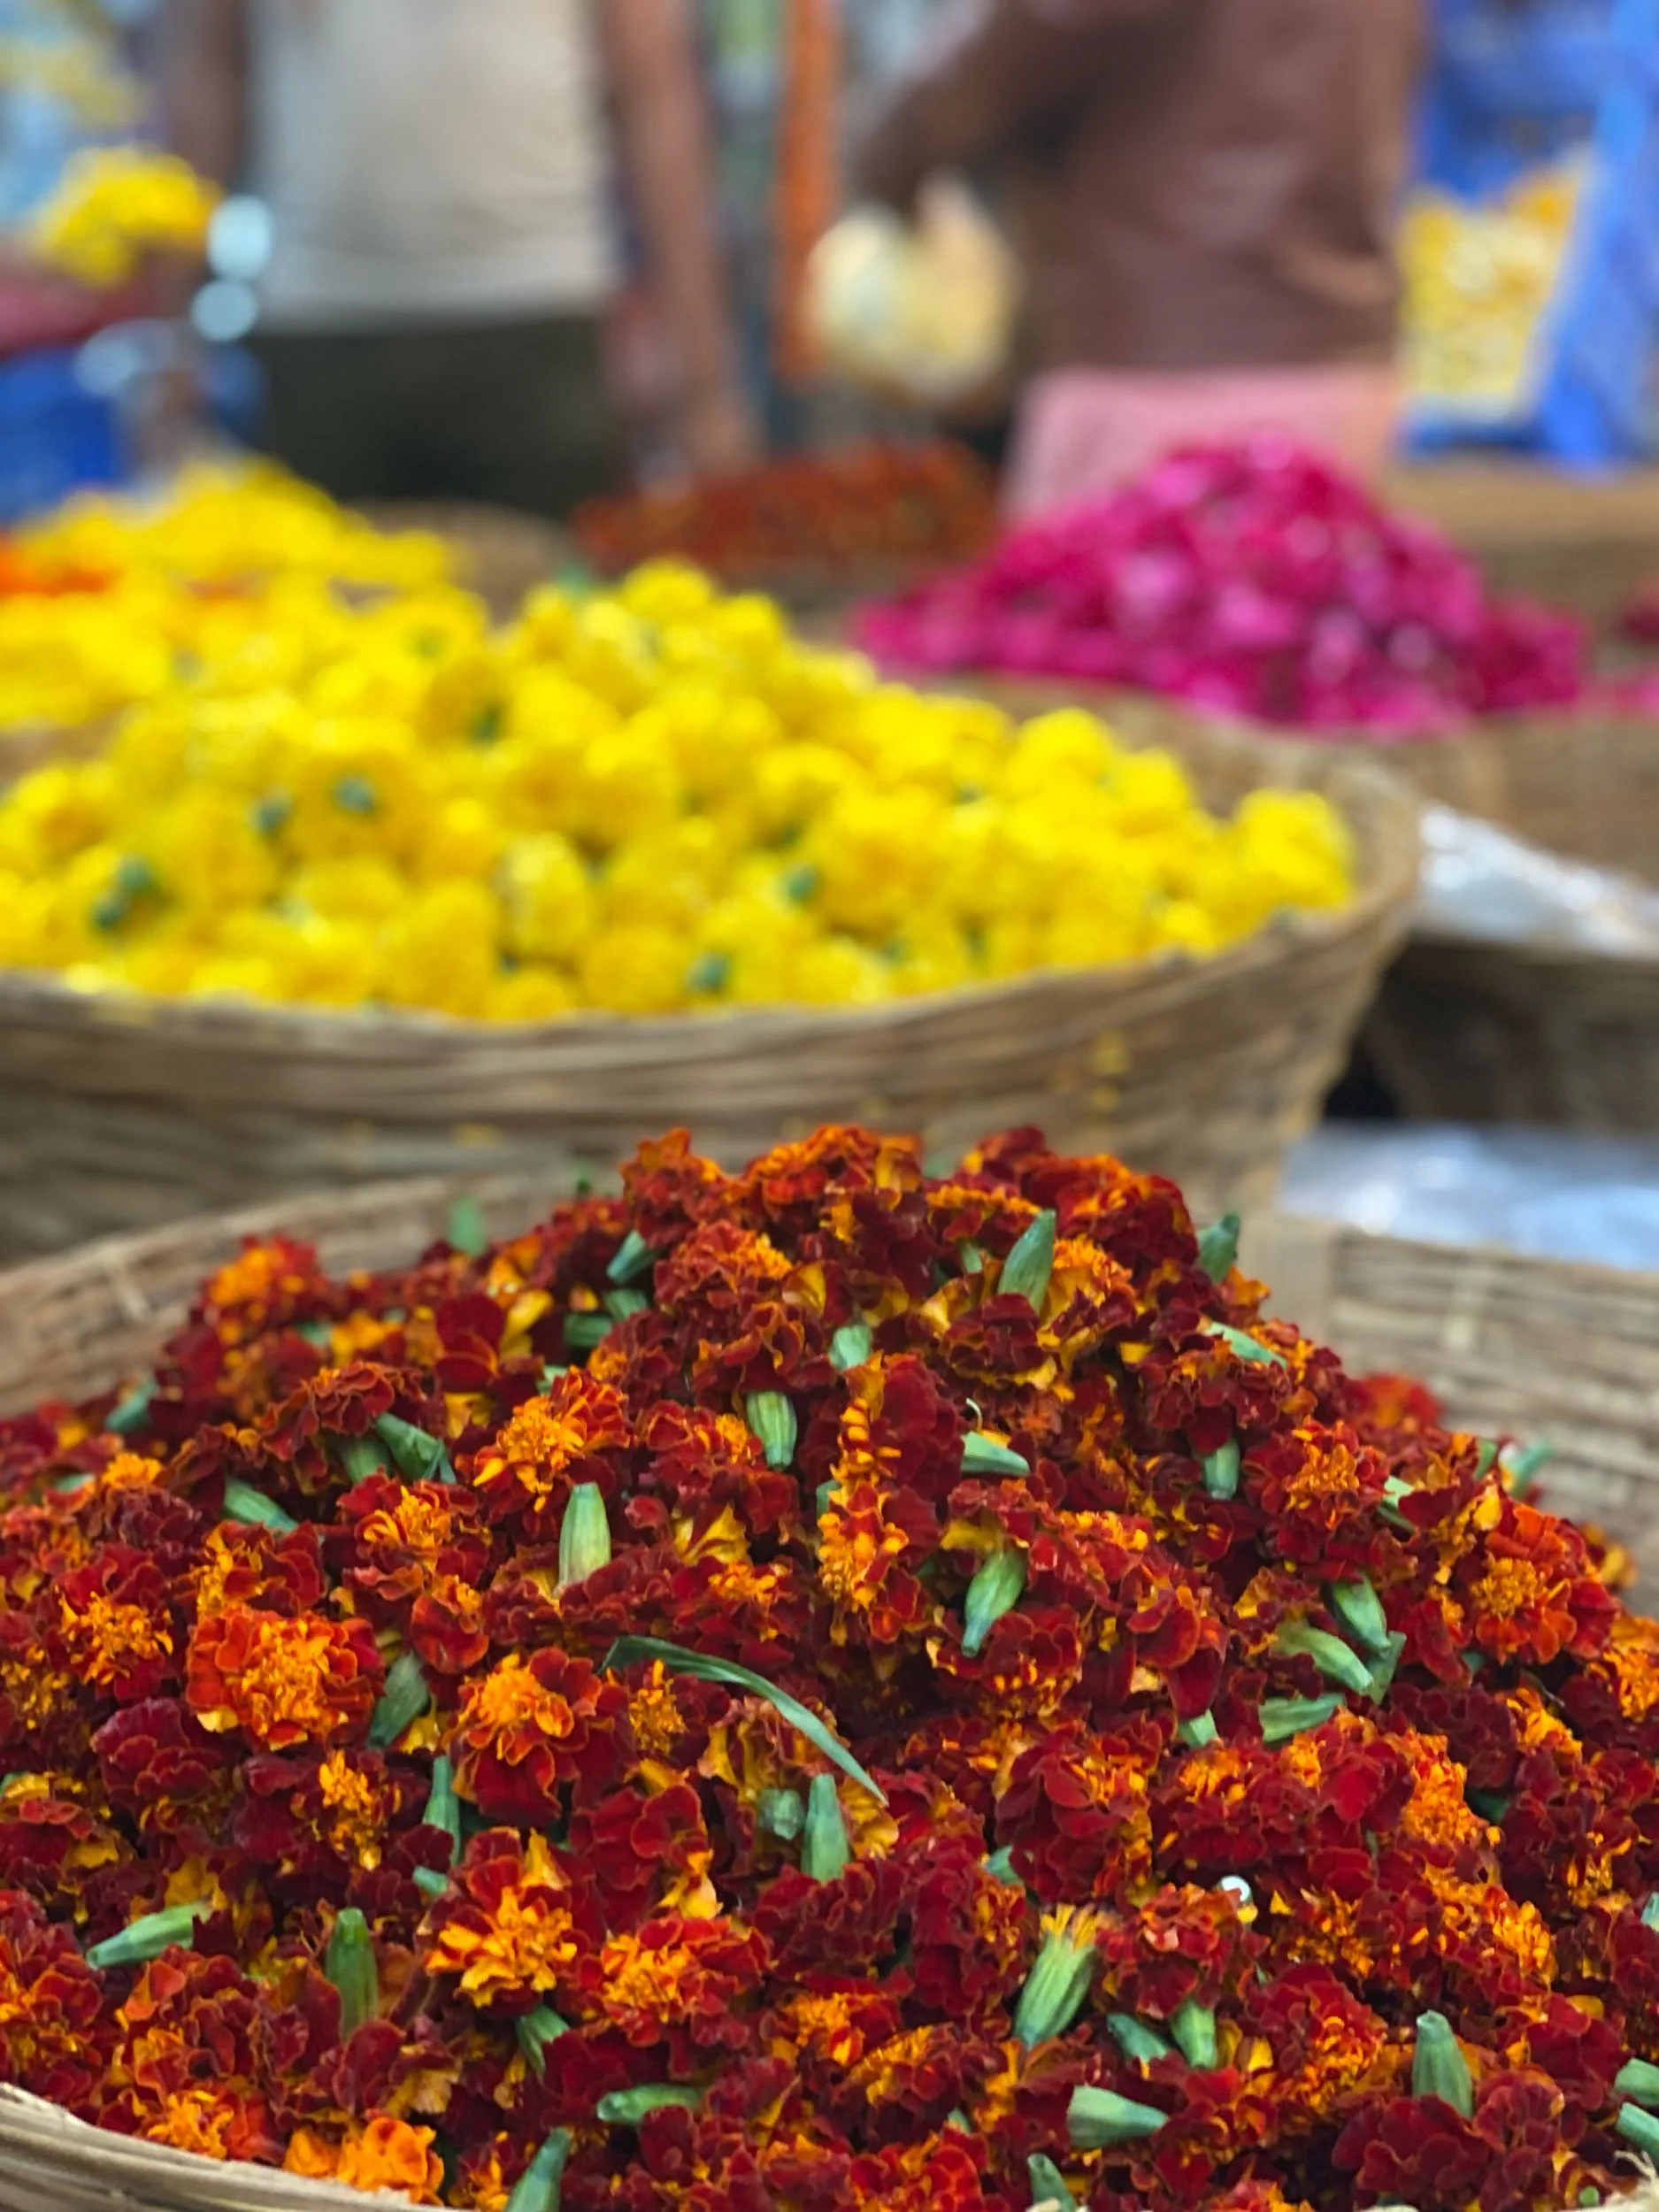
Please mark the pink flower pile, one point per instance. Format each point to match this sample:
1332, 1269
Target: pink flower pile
1249, 579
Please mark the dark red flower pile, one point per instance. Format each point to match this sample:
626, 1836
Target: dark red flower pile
820, 1687
1250, 579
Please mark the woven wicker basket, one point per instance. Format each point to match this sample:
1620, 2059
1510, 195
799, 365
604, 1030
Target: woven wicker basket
1468, 1032
119, 1114
1586, 543
1542, 1350
1585, 784
83, 1321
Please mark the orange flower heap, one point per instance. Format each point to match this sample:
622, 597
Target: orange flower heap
821, 1688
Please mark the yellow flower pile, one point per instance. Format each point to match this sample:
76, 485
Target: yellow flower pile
1478, 280
647, 801
156, 588
114, 205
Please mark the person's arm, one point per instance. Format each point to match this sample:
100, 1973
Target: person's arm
652, 53
204, 97
991, 69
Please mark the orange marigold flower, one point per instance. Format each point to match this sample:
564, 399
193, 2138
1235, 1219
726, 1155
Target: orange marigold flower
115, 1643
528, 1726
1531, 1591
514, 1927
551, 1443
384, 2153
283, 1682
213, 2122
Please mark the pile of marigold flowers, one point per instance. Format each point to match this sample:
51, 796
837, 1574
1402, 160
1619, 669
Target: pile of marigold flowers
820, 1687
647, 801
821, 516
115, 205
113, 600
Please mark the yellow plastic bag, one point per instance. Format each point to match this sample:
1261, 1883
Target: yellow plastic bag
922, 310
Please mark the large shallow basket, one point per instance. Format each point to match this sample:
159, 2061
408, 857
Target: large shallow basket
1516, 1347
1470, 1031
1542, 1350
121, 1113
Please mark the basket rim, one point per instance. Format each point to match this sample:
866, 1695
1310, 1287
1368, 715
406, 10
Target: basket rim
106, 2162
1379, 808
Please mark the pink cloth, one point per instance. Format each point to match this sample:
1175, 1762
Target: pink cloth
1083, 433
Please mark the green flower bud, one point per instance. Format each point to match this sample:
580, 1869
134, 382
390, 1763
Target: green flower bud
362, 1457
622, 1305
851, 1346
1221, 1470
253, 1510
1048, 2191
469, 1232
584, 1535
626, 2108
1383, 1670
534, 2032
1522, 1471
970, 1258
1639, 2127
1194, 2028
146, 1939
538, 2188
1439, 2067
1492, 1805
1096, 2119
1245, 1347
1218, 1248
585, 1332
443, 1806
405, 1698
430, 1883
633, 1257
825, 1849
1198, 1732
1283, 1717
1359, 1608
1058, 1985
1650, 1911
1141, 2045
983, 1454
1639, 2081
129, 1416
1026, 1270
1296, 1640
350, 1965
772, 1419
1000, 1867
781, 1813
417, 1456
994, 1590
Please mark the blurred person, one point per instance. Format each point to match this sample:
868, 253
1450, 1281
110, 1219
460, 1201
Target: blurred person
1202, 195
431, 321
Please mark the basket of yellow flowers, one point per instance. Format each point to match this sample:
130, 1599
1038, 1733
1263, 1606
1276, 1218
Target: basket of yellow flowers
398, 894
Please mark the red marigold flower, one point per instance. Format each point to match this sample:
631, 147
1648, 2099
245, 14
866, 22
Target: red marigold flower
514, 1926
679, 1983
1531, 1591
282, 1681
117, 1623
159, 1763
1076, 1816
550, 1444
531, 1726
